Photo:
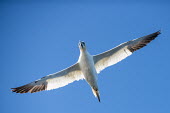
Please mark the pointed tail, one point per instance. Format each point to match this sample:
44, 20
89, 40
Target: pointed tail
96, 94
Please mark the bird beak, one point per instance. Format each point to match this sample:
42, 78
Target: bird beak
80, 44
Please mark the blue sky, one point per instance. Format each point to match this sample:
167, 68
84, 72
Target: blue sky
39, 38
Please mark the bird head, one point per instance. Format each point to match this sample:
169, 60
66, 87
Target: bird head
82, 45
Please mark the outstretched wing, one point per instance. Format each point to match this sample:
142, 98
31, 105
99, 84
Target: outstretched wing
52, 81
122, 51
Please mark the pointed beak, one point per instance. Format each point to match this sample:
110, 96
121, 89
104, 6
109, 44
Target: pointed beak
80, 43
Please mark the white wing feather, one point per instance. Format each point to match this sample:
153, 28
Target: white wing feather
52, 81
69, 75
122, 51
111, 57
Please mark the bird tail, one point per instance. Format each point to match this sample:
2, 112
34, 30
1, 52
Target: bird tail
96, 94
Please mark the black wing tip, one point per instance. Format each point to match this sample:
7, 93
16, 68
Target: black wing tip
145, 40
158, 32
21, 89
29, 88
154, 35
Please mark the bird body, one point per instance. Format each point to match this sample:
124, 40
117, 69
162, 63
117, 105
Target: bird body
87, 67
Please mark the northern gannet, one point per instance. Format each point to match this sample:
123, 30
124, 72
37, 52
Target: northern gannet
87, 67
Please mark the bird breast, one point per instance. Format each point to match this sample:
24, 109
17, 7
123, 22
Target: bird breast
87, 67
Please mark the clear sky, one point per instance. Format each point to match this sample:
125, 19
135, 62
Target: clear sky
39, 38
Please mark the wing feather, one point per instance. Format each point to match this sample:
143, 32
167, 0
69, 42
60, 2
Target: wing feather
122, 51
52, 81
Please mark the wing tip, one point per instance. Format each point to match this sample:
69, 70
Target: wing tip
145, 40
158, 32
29, 88
153, 35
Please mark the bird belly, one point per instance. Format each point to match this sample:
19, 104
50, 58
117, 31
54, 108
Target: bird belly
89, 71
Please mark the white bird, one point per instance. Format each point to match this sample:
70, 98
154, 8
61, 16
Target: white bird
87, 67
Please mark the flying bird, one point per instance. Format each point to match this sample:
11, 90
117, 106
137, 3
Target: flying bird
87, 67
